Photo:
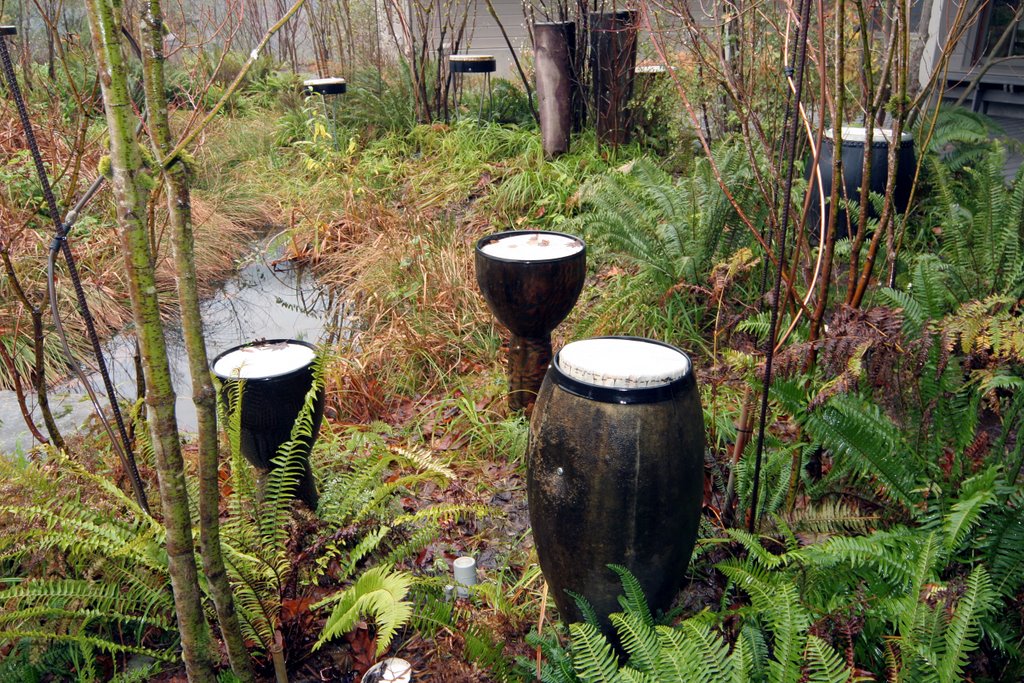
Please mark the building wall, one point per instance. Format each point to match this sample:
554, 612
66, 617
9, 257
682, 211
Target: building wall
487, 38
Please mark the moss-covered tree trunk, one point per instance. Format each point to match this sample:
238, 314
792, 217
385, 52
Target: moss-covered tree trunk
179, 210
130, 185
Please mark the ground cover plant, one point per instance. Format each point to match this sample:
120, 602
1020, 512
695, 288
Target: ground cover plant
873, 532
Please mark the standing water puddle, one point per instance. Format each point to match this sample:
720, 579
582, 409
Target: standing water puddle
261, 302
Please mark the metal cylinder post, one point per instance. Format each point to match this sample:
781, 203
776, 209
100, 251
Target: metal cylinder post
612, 61
554, 85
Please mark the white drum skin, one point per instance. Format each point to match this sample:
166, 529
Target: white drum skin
532, 246
263, 360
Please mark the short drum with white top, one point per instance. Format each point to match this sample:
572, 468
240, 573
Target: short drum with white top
615, 471
460, 64
275, 377
326, 86
853, 139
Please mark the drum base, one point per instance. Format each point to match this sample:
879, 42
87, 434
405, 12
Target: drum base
528, 359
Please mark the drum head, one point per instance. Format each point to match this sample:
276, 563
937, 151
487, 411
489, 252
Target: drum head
532, 246
859, 134
623, 363
259, 361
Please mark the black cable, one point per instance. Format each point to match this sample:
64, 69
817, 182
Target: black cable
790, 149
60, 243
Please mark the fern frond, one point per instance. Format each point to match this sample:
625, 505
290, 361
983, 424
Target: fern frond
587, 610
963, 632
628, 675
101, 644
639, 639
633, 600
824, 664
380, 592
858, 430
426, 462
694, 653
593, 659
964, 516
752, 544
832, 517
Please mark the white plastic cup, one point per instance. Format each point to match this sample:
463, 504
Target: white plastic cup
465, 574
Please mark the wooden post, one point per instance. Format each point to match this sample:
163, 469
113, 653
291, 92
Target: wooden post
554, 85
612, 60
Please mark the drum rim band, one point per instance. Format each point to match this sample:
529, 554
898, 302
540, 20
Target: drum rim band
261, 342
875, 144
624, 395
494, 237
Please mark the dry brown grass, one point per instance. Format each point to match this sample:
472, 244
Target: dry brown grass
95, 240
423, 319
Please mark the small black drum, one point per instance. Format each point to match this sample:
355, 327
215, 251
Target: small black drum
472, 64
277, 375
853, 139
615, 471
326, 86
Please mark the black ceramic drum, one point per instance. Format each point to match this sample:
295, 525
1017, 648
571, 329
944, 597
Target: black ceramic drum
530, 280
853, 140
326, 86
472, 64
277, 375
615, 471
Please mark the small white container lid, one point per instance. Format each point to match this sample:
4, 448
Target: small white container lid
323, 81
390, 670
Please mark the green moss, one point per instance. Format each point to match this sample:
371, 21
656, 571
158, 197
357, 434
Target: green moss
104, 167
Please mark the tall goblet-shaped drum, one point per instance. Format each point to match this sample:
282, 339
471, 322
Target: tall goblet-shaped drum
615, 471
531, 281
276, 374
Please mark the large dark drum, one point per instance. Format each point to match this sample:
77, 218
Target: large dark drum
853, 140
615, 471
277, 374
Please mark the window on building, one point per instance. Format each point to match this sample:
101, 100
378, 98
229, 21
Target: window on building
998, 15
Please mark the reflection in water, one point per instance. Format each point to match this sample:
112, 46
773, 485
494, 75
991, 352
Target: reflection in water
262, 301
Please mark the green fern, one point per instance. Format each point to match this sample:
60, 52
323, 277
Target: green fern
639, 639
114, 596
960, 136
632, 599
379, 593
963, 633
861, 437
593, 659
824, 664
674, 229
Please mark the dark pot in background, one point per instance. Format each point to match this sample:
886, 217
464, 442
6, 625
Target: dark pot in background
270, 404
615, 474
613, 39
853, 140
553, 46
